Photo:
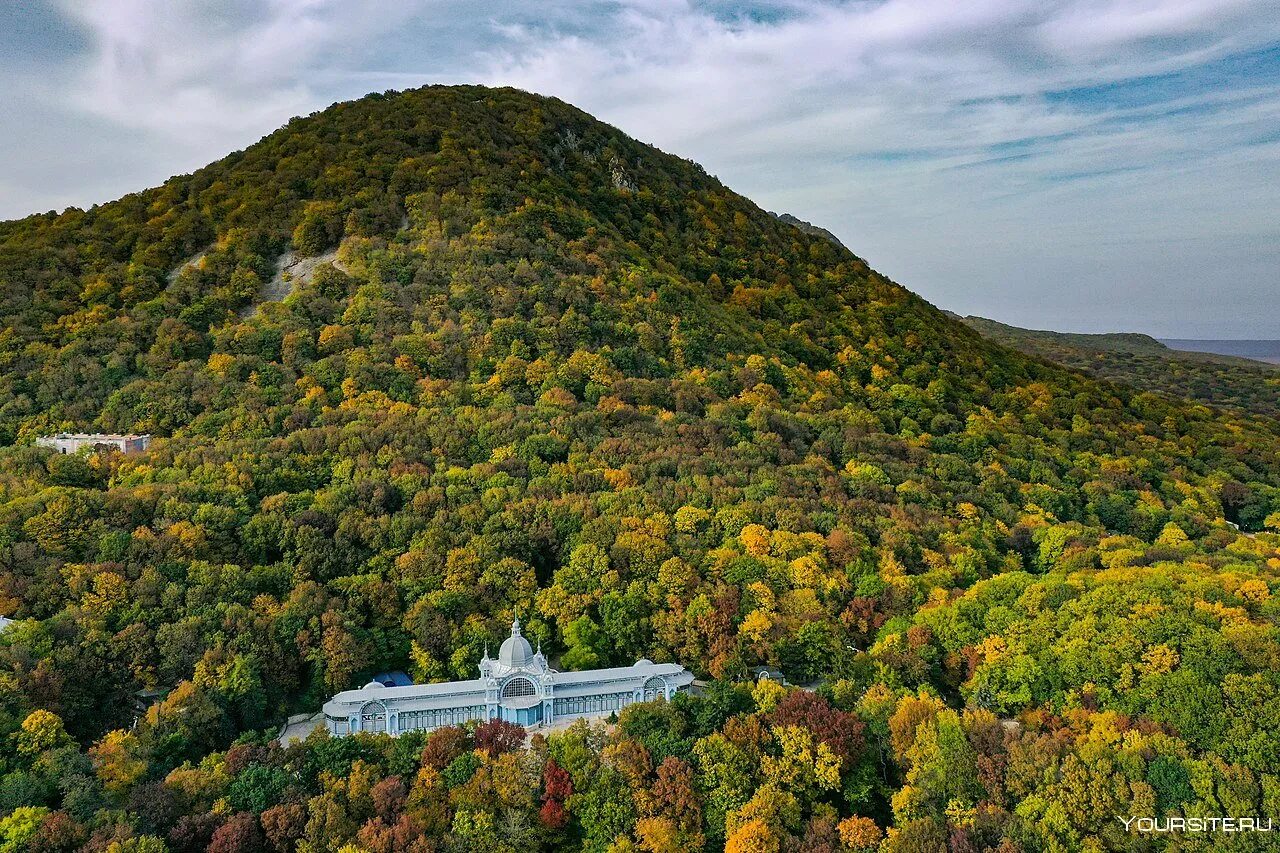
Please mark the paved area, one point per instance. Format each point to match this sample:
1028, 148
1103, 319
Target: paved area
560, 725
299, 726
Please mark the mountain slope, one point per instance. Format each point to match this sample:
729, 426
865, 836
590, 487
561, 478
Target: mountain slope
534, 367
100, 285
1145, 363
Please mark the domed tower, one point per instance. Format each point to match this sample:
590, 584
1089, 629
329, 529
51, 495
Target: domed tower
516, 681
515, 653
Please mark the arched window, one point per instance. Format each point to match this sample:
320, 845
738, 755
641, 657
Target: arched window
654, 688
373, 717
518, 687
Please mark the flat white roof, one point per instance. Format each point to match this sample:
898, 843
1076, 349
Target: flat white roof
617, 673
462, 694
110, 436
412, 697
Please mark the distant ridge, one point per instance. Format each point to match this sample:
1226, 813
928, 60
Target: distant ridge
1148, 364
1131, 342
1108, 341
1267, 351
1235, 374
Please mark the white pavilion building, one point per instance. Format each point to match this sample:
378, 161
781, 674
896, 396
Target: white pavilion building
72, 442
518, 686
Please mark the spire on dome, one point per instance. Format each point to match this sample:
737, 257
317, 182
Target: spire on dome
516, 653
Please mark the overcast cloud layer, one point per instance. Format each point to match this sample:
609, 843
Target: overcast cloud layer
1085, 165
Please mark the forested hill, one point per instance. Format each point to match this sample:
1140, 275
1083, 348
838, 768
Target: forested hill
1145, 363
433, 195
427, 361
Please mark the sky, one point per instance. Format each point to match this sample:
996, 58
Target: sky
1080, 165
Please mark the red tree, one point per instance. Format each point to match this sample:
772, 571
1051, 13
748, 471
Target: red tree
58, 832
675, 794
837, 729
284, 825
498, 736
406, 835
443, 746
191, 834
388, 798
240, 834
557, 786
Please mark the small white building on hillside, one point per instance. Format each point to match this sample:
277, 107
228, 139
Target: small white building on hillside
71, 442
518, 686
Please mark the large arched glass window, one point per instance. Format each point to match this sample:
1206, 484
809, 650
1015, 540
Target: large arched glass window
654, 688
373, 717
518, 687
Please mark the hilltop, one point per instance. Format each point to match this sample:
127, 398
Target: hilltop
105, 308
810, 228
422, 363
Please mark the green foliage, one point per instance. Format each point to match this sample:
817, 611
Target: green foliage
1145, 363
257, 788
17, 829
553, 373
460, 770
1171, 782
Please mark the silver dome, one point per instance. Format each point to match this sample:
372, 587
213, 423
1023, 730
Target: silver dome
516, 653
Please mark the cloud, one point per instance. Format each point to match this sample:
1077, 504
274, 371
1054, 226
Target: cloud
1008, 157
1020, 159
185, 72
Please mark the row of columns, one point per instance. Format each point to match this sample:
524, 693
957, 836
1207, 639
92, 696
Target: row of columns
493, 711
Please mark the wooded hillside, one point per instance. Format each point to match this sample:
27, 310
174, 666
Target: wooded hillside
553, 372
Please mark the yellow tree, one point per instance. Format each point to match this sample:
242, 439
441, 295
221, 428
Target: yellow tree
803, 765
860, 833
754, 836
41, 730
117, 762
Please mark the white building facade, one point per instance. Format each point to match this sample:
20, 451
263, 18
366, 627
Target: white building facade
71, 442
518, 686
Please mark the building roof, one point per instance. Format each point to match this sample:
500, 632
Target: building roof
515, 653
413, 697
454, 694
641, 668
108, 436
6, 622
395, 678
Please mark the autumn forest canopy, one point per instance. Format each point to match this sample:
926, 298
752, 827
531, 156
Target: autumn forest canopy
421, 363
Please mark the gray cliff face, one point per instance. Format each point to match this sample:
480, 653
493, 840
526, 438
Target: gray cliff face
809, 228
